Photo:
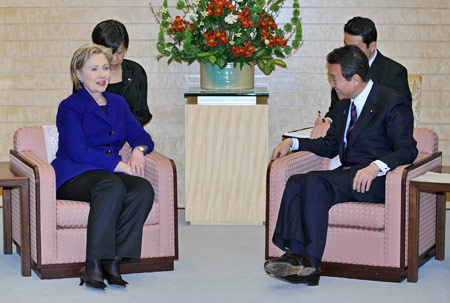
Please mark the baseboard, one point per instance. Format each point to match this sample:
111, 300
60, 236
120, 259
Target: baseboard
60, 271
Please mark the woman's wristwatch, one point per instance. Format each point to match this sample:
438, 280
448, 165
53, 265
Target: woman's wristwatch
142, 148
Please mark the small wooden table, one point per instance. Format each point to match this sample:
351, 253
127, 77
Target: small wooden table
431, 183
9, 180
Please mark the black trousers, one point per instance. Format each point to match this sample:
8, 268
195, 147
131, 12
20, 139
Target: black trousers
307, 198
119, 206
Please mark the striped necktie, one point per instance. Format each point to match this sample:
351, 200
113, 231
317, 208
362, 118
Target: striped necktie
353, 118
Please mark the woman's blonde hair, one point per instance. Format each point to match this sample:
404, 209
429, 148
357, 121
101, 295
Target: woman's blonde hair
82, 55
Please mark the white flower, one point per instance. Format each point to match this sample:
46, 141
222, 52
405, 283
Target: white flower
266, 42
196, 2
191, 15
170, 20
163, 10
232, 43
204, 13
169, 48
201, 23
238, 1
238, 35
230, 19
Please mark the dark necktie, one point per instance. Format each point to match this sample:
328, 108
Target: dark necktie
353, 118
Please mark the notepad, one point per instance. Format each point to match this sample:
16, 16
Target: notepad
299, 133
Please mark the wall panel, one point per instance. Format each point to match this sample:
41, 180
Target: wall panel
38, 37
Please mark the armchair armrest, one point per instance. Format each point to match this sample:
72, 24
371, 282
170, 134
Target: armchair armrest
397, 204
42, 203
278, 172
161, 173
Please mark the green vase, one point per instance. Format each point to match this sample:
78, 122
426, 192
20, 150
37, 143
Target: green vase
228, 78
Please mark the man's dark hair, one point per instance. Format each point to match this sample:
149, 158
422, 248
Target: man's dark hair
364, 27
352, 61
110, 33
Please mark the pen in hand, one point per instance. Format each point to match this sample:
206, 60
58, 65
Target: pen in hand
320, 116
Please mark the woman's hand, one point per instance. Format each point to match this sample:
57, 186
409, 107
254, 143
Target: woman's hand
122, 167
137, 163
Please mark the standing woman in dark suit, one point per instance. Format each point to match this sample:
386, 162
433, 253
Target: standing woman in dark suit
128, 78
93, 126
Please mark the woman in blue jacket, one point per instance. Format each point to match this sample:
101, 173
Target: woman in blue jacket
93, 126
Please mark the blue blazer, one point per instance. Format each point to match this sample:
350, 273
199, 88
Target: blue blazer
90, 139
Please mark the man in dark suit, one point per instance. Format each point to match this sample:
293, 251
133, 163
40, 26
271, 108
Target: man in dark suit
372, 132
362, 32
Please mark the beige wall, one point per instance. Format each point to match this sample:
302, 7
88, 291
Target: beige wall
38, 37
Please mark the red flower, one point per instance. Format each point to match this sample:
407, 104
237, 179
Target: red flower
223, 38
280, 41
178, 25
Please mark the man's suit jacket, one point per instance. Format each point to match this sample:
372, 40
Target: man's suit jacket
90, 139
383, 131
384, 71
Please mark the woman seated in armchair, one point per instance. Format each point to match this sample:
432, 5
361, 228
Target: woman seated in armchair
93, 126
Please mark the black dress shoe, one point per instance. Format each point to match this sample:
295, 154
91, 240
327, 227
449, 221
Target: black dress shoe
293, 268
111, 268
84, 278
310, 280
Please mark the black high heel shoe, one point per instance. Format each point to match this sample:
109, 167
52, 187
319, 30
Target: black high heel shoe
111, 269
89, 282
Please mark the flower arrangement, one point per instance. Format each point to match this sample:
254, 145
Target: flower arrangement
225, 31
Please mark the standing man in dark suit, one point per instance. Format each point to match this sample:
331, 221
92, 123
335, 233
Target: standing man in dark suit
372, 132
362, 32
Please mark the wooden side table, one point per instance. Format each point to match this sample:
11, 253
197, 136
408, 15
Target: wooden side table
9, 180
435, 183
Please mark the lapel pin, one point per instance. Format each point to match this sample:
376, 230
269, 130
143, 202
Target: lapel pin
371, 110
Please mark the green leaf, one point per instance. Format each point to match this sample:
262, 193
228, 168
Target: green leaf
221, 62
287, 49
260, 64
288, 27
260, 52
275, 8
162, 48
212, 59
295, 44
279, 53
268, 68
296, 13
280, 63
180, 5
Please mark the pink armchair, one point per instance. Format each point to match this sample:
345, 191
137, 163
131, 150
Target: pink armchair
365, 241
58, 227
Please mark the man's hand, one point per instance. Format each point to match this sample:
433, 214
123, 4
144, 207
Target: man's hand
320, 121
282, 149
363, 178
137, 163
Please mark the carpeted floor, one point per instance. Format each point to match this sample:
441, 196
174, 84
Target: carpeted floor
224, 264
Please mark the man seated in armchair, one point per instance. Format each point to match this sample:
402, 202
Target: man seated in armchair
372, 132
